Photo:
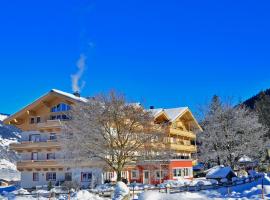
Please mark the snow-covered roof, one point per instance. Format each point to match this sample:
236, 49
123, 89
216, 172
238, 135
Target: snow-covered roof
72, 96
245, 159
155, 112
218, 172
172, 113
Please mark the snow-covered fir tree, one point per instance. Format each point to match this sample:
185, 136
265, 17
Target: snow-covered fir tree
229, 133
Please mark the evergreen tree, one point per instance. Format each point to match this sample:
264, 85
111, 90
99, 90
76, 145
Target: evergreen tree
262, 106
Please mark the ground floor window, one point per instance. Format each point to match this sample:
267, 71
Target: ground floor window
50, 176
86, 176
35, 176
159, 174
68, 176
181, 172
134, 174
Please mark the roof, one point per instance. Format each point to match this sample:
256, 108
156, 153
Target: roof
54, 91
173, 113
244, 159
218, 172
72, 96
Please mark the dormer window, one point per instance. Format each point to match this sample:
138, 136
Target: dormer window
62, 107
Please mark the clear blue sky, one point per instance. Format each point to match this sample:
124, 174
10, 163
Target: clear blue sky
162, 53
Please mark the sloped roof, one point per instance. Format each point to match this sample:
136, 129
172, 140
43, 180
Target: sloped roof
72, 96
174, 113
53, 91
244, 159
219, 172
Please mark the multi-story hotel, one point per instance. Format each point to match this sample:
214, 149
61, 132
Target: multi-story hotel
41, 160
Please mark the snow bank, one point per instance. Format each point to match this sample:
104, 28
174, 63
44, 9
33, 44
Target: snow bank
85, 195
121, 191
161, 196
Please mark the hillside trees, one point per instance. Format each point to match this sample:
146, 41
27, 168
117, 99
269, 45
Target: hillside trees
229, 133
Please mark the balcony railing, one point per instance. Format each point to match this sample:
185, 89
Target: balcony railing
180, 147
35, 145
49, 124
59, 163
179, 132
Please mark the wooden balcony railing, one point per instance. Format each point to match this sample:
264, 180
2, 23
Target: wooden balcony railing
28, 145
174, 131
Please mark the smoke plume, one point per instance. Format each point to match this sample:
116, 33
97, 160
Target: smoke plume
75, 78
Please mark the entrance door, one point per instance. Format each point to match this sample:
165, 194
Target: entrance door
146, 177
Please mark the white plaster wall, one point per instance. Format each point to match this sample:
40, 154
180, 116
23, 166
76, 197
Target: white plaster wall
27, 177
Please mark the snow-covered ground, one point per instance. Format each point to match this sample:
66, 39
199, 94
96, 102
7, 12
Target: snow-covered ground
245, 191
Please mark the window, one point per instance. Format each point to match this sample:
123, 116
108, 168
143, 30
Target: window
38, 120
50, 176
34, 138
159, 174
180, 172
53, 136
177, 172
59, 117
50, 156
62, 107
35, 176
134, 174
32, 120
86, 176
68, 176
34, 155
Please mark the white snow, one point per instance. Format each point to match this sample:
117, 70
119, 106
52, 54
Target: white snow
3, 116
172, 113
121, 190
245, 159
6, 142
72, 96
8, 171
5, 164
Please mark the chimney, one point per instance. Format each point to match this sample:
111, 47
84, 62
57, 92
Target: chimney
77, 94
152, 107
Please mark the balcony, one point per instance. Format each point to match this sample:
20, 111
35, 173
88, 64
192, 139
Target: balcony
174, 131
49, 124
39, 164
29, 145
180, 147
59, 163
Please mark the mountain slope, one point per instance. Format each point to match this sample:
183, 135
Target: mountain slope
252, 101
8, 158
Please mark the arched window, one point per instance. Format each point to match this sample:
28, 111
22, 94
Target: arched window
61, 107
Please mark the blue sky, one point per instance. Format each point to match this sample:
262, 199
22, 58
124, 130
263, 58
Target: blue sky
162, 53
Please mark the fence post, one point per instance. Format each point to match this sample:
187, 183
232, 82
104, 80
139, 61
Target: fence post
133, 188
262, 190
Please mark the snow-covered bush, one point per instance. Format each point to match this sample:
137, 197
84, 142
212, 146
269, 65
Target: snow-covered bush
121, 191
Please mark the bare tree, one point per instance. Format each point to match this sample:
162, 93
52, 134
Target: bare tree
229, 133
109, 129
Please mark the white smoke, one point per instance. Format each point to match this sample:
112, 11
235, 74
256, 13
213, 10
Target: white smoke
75, 78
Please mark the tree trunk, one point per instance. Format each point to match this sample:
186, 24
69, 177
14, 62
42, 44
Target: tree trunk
119, 177
218, 160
